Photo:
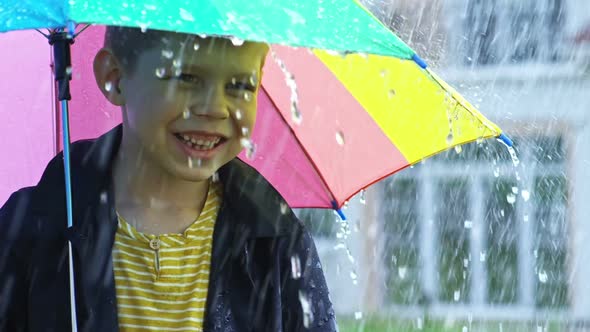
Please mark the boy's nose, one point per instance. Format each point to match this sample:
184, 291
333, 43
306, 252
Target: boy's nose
214, 105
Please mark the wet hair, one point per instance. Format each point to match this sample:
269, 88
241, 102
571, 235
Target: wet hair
127, 44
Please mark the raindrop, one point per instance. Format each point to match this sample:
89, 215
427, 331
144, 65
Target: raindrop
391, 93
108, 86
515, 190
362, 197
536, 253
177, 63
450, 138
236, 41
383, 73
402, 271
419, 323
160, 72
465, 329
340, 138
247, 96
511, 198
295, 114
252, 80
69, 70
190, 162
496, 171
196, 46
284, 208
482, 256
234, 81
457, 295
513, 155
215, 177
186, 114
238, 114
526, 195
249, 146
186, 15
539, 328
468, 224
143, 27
306, 308
358, 315
168, 54
103, 197
245, 131
353, 276
295, 266
543, 277
458, 149
525, 218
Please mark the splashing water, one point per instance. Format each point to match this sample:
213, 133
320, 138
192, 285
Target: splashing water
236, 41
295, 267
250, 147
306, 308
290, 80
168, 54
513, 154
160, 72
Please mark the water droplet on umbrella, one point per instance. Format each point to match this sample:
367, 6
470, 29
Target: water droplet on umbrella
196, 46
186, 15
160, 72
526, 195
457, 295
340, 138
511, 198
306, 308
295, 267
249, 146
458, 149
468, 224
391, 93
168, 54
358, 315
543, 277
186, 114
238, 114
295, 114
362, 197
236, 41
245, 131
450, 138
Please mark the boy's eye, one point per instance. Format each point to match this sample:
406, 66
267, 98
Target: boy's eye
189, 78
242, 86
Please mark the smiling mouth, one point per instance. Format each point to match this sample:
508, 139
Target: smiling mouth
200, 142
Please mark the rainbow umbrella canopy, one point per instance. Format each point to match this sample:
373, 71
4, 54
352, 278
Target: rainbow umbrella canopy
344, 101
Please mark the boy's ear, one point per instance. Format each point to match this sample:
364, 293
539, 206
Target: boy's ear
108, 72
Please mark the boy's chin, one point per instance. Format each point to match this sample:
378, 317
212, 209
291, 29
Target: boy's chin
195, 173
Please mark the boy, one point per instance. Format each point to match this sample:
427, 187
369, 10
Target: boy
172, 232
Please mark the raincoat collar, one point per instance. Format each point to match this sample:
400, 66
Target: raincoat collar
244, 189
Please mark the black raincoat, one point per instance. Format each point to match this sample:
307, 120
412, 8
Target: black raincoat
251, 286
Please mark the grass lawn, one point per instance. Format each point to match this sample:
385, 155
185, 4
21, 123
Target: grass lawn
347, 324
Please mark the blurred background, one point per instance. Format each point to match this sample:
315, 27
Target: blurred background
476, 239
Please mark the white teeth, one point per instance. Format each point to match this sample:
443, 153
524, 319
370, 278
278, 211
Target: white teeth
199, 144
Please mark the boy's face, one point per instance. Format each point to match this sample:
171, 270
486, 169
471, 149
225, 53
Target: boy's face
188, 103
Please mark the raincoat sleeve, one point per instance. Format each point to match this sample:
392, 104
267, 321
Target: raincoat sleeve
310, 306
13, 262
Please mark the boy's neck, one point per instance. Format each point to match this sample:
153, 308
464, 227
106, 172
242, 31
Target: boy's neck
145, 192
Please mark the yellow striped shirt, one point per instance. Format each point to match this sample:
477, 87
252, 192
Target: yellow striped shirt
162, 281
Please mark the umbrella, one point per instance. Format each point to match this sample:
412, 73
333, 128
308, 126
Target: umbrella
352, 105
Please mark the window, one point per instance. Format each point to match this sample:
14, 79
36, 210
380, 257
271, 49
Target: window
499, 232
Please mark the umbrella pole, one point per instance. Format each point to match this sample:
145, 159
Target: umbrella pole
61, 41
